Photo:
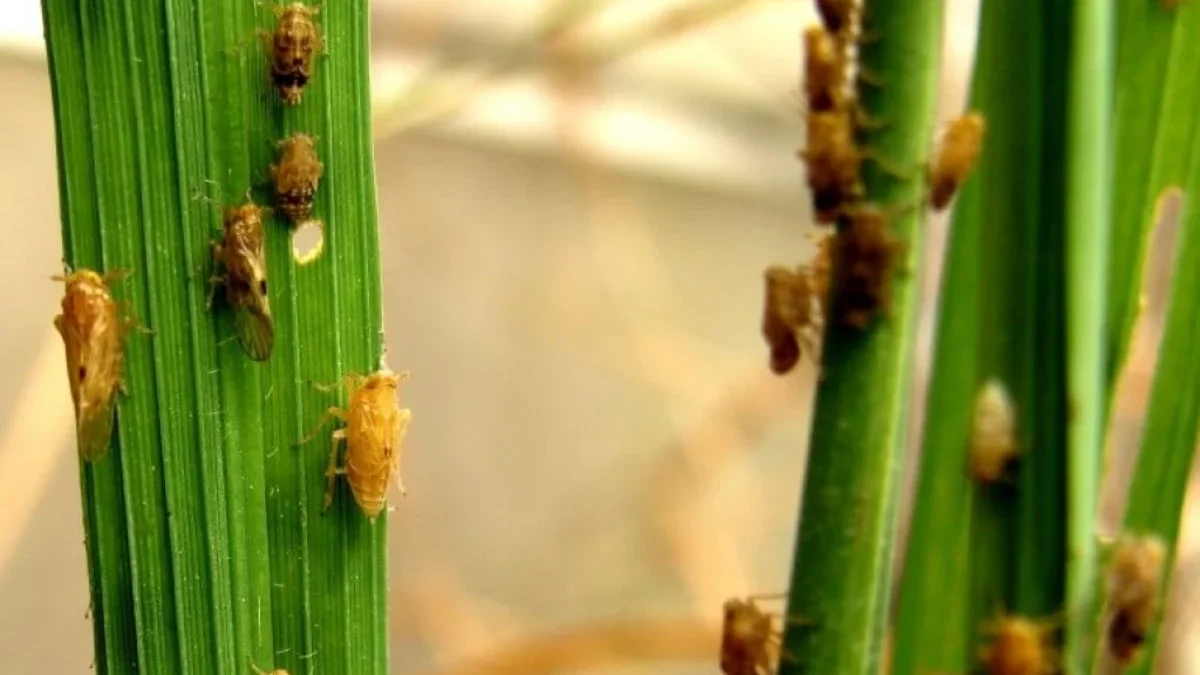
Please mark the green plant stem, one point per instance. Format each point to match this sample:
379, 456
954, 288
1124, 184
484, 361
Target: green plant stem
842, 567
207, 549
1089, 215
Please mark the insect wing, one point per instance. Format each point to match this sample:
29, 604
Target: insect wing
95, 425
255, 332
94, 359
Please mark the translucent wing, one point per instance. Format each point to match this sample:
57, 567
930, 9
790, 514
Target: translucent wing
255, 332
95, 425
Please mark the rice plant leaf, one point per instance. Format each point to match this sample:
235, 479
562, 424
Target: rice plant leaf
207, 549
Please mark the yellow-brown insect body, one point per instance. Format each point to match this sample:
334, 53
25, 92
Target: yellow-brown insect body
791, 317
294, 47
959, 153
834, 163
837, 15
864, 254
241, 257
824, 71
296, 176
1019, 646
747, 638
92, 335
374, 436
993, 433
1133, 584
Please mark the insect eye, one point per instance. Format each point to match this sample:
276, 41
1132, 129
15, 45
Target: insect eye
82, 372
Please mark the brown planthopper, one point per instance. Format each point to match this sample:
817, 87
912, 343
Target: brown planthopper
837, 15
993, 433
240, 259
296, 176
791, 320
93, 332
260, 671
824, 71
959, 152
834, 163
374, 437
750, 637
294, 47
1019, 646
1134, 581
864, 260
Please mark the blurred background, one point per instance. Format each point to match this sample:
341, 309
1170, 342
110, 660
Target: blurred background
578, 200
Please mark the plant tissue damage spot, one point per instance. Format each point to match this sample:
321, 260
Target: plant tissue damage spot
374, 437
296, 177
1133, 584
92, 333
241, 257
308, 241
294, 46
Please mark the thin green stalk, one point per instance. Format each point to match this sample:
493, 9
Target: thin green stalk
978, 549
1089, 211
842, 568
208, 552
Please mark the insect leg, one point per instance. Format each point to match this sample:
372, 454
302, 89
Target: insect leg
116, 275
888, 166
333, 470
405, 416
213, 283
330, 413
870, 78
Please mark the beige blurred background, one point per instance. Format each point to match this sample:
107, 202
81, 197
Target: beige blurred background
572, 265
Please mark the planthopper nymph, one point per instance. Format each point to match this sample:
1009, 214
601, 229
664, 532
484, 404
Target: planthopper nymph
751, 637
1019, 646
994, 446
93, 331
1134, 581
242, 268
374, 437
294, 46
296, 177
958, 155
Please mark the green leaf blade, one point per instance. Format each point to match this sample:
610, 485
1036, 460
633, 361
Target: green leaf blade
208, 550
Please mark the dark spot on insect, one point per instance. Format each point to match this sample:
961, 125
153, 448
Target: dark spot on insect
82, 373
262, 286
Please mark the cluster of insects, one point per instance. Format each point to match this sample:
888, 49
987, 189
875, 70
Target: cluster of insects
859, 254
94, 325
